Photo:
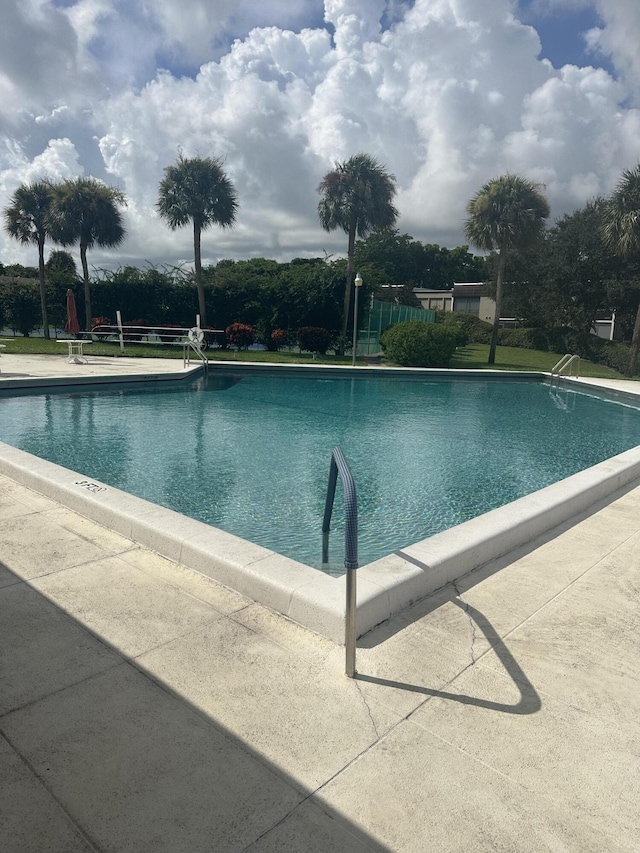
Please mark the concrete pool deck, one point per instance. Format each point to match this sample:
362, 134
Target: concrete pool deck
144, 707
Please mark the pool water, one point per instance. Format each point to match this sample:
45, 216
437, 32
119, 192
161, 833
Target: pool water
250, 454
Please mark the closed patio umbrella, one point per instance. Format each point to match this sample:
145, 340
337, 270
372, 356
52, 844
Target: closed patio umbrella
71, 327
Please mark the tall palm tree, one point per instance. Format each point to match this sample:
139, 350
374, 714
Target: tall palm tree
197, 190
26, 219
506, 214
621, 232
86, 211
357, 196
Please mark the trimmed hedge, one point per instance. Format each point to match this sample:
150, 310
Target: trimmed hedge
418, 344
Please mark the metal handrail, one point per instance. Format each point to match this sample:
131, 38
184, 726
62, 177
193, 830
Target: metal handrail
171, 335
564, 364
339, 466
195, 346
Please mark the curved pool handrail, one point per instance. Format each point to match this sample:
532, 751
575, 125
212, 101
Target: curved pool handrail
339, 466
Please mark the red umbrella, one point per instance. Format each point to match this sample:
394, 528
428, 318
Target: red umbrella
71, 327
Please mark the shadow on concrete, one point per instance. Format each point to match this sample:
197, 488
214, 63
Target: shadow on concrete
529, 702
434, 599
97, 755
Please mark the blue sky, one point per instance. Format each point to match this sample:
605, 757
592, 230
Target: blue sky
446, 93
561, 32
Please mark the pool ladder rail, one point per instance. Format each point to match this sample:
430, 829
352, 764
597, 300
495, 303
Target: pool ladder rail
565, 364
194, 342
339, 466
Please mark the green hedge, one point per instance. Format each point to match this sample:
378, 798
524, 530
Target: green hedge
475, 329
566, 340
418, 344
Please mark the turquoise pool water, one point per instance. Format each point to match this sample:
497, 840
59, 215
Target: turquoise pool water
251, 453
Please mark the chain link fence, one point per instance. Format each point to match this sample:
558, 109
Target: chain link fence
381, 315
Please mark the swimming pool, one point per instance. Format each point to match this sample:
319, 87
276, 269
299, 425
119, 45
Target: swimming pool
249, 453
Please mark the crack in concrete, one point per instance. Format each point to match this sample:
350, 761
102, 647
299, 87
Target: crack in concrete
474, 627
367, 706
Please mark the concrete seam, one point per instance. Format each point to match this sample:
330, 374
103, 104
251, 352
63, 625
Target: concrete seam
85, 835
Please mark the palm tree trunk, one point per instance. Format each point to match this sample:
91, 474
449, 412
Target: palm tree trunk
348, 286
635, 344
198, 267
496, 320
87, 287
43, 288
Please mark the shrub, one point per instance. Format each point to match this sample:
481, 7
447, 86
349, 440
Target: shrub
20, 303
279, 338
418, 344
525, 338
240, 335
453, 323
131, 333
314, 339
478, 331
616, 356
104, 332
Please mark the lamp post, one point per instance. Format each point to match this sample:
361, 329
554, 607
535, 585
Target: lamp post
358, 285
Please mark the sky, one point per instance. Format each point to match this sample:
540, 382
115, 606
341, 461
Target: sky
446, 94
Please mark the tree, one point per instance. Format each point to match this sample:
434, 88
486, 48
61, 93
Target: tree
19, 303
197, 190
357, 196
85, 211
506, 214
26, 219
621, 231
61, 275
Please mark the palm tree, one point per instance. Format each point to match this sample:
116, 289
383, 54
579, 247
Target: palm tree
85, 211
506, 214
26, 219
197, 190
621, 232
357, 196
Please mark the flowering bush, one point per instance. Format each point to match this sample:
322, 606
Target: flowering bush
279, 338
106, 323
240, 335
314, 339
134, 334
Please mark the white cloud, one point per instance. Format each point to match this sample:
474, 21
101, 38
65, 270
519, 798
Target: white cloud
618, 38
451, 95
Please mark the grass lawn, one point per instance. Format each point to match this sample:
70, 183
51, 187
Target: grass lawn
471, 357
474, 356
50, 347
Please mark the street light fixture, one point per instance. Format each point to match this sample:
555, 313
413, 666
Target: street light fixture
358, 285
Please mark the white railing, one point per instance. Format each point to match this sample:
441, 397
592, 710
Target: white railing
565, 367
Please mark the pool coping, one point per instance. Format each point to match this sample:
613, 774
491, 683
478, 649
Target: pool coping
300, 592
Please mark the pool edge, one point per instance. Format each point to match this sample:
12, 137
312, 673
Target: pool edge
306, 595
